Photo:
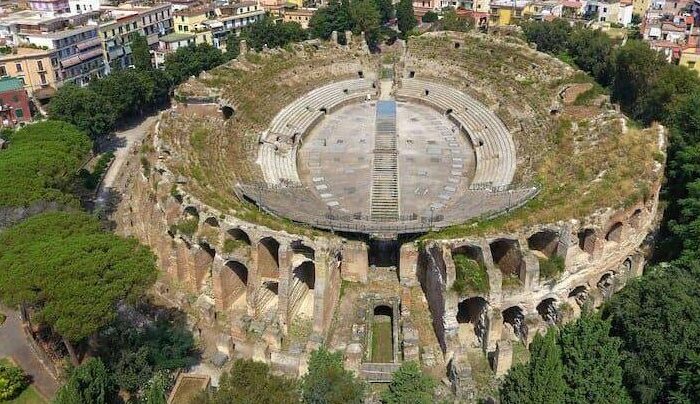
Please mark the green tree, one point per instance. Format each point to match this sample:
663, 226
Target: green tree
592, 362
541, 380
334, 17
406, 17
386, 10
327, 382
191, 60
88, 383
140, 53
409, 385
451, 21
251, 382
593, 52
83, 108
365, 18
233, 46
155, 390
12, 381
71, 273
430, 16
550, 37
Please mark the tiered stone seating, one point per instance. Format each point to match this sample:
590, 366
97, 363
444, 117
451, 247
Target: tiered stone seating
277, 155
493, 144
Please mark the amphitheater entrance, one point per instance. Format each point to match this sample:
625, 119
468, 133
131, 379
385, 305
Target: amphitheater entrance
471, 317
382, 335
384, 253
547, 309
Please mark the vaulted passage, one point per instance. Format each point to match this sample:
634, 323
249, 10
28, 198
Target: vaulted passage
514, 317
301, 294
382, 335
545, 242
267, 298
471, 316
234, 282
268, 258
548, 311
384, 253
586, 240
580, 295
615, 232
507, 257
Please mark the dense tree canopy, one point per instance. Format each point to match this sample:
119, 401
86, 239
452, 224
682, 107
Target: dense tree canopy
551, 37
327, 382
251, 382
41, 163
70, 272
140, 53
88, 383
83, 108
191, 60
406, 17
272, 33
409, 385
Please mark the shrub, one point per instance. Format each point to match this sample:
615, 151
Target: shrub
551, 268
12, 381
430, 16
187, 227
471, 276
231, 245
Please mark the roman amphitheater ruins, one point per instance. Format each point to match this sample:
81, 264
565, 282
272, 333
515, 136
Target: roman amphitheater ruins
442, 201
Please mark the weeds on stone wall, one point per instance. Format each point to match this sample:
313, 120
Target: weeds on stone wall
551, 268
187, 226
470, 276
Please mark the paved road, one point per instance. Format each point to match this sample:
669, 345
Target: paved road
13, 344
126, 140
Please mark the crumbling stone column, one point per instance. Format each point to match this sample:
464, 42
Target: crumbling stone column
243, 46
348, 38
408, 265
530, 273
216, 269
334, 37
355, 263
200, 269
503, 357
184, 264
283, 286
494, 328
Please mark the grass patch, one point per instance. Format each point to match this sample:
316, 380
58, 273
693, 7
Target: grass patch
231, 245
589, 95
511, 282
551, 268
470, 276
187, 226
382, 341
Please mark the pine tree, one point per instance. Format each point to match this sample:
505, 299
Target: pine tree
405, 16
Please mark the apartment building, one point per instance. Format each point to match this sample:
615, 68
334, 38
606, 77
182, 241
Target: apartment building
190, 21
52, 6
231, 18
299, 15
119, 25
76, 54
33, 68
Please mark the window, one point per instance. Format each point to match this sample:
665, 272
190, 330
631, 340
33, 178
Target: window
3, 71
21, 79
40, 65
19, 112
43, 77
18, 67
691, 64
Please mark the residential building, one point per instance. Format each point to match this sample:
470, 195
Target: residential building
640, 7
119, 25
420, 7
230, 19
614, 12
506, 12
191, 21
14, 102
690, 57
543, 9
82, 6
171, 43
33, 68
52, 6
298, 15
14, 27
76, 54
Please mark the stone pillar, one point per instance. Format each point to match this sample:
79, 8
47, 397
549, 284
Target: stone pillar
494, 328
217, 267
334, 37
503, 357
348, 38
355, 263
202, 264
566, 242
253, 278
408, 265
320, 288
530, 272
283, 286
184, 265
243, 46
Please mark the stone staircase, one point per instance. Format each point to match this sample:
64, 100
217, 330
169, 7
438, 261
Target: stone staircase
384, 198
378, 372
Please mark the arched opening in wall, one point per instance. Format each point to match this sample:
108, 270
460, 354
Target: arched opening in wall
301, 293
586, 240
383, 334
448, 111
234, 285
514, 319
360, 74
626, 266
606, 284
471, 275
383, 253
615, 232
547, 309
472, 252
346, 91
508, 258
298, 247
471, 317
191, 211
544, 242
236, 242
411, 74
208, 249
268, 258
457, 45
580, 295
636, 219
427, 92
212, 222
227, 112
323, 110
267, 298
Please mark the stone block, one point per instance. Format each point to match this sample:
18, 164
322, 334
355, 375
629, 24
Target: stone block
502, 357
408, 265
355, 265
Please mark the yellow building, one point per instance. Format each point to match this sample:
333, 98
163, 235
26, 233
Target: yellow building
690, 57
640, 7
299, 15
506, 12
190, 21
33, 67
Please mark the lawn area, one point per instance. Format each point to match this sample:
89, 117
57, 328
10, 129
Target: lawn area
30, 395
382, 351
188, 388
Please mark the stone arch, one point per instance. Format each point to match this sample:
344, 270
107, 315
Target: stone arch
268, 257
411, 74
587, 239
457, 45
626, 266
383, 332
507, 256
514, 316
547, 309
228, 112
301, 291
579, 294
606, 284
614, 233
212, 221
472, 311
360, 74
636, 218
298, 247
191, 211
234, 285
448, 111
267, 297
545, 242
470, 251
239, 235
